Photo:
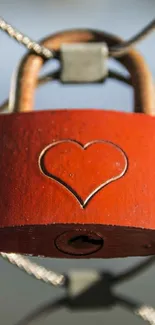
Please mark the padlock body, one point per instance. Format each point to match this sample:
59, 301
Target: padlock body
77, 183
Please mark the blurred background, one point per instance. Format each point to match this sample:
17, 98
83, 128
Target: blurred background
19, 293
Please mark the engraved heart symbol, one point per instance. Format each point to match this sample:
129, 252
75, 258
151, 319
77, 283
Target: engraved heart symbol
83, 169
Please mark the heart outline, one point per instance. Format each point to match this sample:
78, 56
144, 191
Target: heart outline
83, 203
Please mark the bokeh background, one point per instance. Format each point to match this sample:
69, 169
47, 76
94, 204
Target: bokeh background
19, 293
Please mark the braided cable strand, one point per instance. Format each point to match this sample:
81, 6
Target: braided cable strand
118, 50
114, 51
147, 313
25, 40
35, 270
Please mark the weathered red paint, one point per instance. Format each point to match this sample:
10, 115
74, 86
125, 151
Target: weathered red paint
51, 162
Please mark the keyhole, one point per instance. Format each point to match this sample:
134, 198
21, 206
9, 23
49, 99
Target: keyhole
79, 242
85, 241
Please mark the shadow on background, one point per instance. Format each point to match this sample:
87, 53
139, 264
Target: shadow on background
99, 295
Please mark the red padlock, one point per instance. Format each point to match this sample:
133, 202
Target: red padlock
78, 183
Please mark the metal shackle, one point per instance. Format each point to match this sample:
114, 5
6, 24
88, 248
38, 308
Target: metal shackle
22, 93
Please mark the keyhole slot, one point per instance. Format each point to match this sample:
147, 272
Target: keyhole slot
84, 241
79, 242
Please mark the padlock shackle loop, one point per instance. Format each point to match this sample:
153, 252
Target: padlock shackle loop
22, 93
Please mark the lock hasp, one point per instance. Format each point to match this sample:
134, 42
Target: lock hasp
77, 183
